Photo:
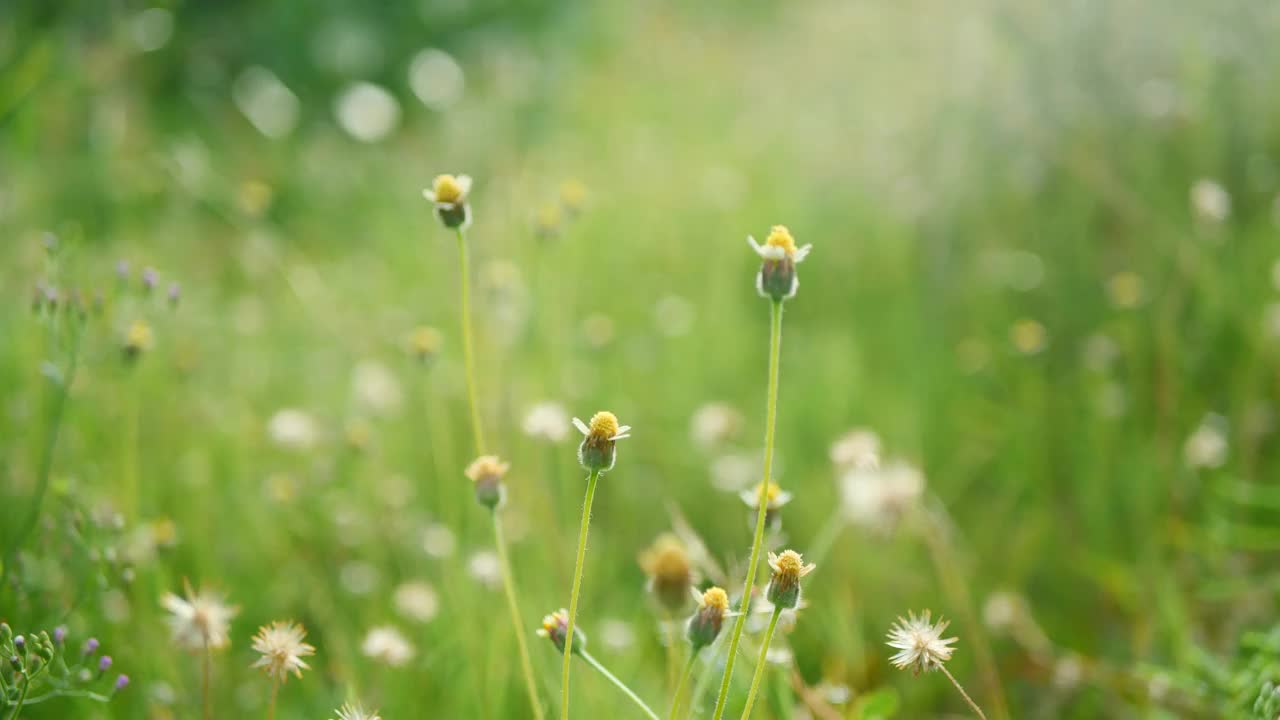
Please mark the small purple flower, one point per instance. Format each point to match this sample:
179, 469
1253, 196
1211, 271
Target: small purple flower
104, 664
121, 682
91, 646
60, 634
19, 642
122, 269
175, 292
149, 279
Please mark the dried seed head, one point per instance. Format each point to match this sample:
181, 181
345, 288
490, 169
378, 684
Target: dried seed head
486, 472
282, 648
920, 644
784, 586
597, 452
706, 622
670, 576
556, 627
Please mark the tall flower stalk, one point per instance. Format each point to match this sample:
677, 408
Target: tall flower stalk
784, 593
448, 194
596, 454
776, 281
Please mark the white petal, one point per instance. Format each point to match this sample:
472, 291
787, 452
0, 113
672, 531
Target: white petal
621, 436
802, 253
429, 194
582, 427
464, 184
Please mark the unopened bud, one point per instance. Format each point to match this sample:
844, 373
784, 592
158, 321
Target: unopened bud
556, 627
486, 472
706, 622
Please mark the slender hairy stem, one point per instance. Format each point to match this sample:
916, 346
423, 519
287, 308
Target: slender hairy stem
513, 605
468, 346
621, 685
771, 416
22, 699
673, 649
46, 456
63, 692
206, 699
761, 662
573, 597
963, 694
680, 686
957, 591
271, 706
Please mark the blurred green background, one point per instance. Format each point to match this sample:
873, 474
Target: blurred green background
1044, 237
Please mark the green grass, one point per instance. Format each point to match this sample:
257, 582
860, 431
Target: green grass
958, 170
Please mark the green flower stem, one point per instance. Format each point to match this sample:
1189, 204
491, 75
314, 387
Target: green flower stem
771, 416
621, 685
271, 706
963, 694
513, 605
62, 692
761, 662
22, 698
680, 686
46, 456
573, 597
206, 671
468, 347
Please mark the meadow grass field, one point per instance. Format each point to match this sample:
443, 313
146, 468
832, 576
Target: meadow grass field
1028, 379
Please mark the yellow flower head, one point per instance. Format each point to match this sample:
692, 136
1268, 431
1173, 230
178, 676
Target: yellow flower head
715, 598
424, 342
487, 467
138, 338
670, 575
780, 237
573, 194
603, 424
790, 563
774, 496
596, 453
784, 586
447, 189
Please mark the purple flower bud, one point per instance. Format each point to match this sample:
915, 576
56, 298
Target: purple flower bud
19, 642
60, 634
122, 269
175, 291
149, 279
121, 682
91, 646
104, 664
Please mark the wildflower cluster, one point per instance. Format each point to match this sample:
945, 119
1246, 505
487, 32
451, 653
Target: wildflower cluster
39, 666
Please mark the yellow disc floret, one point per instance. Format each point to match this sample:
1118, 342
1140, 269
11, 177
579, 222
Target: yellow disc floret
139, 337
447, 189
771, 493
780, 237
604, 424
716, 598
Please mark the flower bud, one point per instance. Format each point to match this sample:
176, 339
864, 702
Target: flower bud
6, 634
779, 256
706, 622
104, 664
486, 472
784, 586
90, 646
121, 683
556, 627
138, 340
449, 196
598, 450
20, 643
670, 576
60, 634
